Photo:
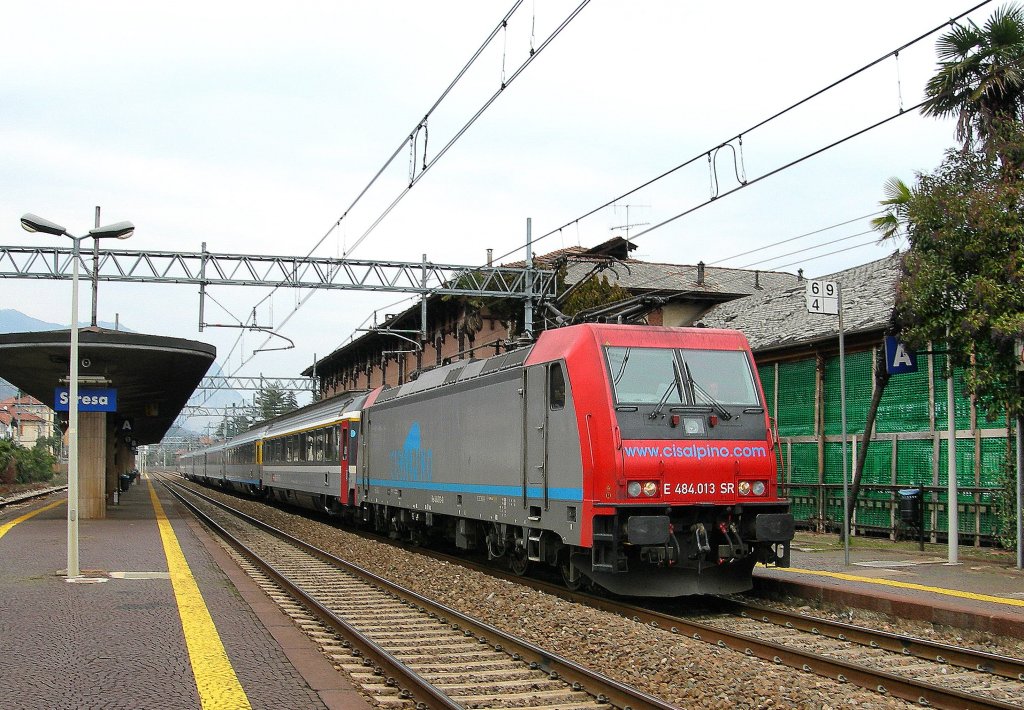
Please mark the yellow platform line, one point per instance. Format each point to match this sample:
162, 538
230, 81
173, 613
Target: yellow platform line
7, 526
216, 682
907, 585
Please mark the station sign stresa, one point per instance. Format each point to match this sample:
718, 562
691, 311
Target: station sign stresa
92, 399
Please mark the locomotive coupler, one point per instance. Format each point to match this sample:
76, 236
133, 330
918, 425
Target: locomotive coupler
701, 536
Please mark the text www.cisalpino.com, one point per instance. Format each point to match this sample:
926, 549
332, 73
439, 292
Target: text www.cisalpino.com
695, 452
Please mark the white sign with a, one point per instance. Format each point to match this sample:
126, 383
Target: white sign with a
823, 297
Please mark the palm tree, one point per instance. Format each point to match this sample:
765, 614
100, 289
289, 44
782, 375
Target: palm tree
897, 201
981, 76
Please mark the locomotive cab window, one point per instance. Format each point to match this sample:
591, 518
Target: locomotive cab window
645, 375
721, 376
556, 387
667, 376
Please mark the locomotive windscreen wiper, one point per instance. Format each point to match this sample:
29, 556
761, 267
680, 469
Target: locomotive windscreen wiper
715, 404
676, 384
622, 367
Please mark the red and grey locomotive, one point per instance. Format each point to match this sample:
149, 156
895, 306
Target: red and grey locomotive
637, 458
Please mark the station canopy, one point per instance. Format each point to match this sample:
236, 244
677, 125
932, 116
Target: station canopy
154, 375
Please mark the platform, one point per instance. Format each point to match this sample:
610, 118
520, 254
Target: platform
984, 591
162, 618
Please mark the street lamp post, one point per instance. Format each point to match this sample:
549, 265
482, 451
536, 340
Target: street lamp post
120, 230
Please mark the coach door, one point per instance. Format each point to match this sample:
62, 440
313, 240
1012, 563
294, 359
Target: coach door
535, 435
343, 454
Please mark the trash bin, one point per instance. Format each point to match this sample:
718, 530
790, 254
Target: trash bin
125, 481
910, 505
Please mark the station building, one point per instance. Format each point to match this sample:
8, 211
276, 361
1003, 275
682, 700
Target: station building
797, 355
463, 328
25, 420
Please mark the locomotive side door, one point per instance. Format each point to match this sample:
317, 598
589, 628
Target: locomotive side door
535, 434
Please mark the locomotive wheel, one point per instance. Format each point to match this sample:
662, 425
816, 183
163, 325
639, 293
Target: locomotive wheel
518, 562
574, 585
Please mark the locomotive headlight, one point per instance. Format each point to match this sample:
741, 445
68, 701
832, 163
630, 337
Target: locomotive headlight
758, 488
744, 488
633, 489
650, 488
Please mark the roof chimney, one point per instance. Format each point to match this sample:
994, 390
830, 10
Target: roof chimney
490, 257
757, 279
799, 274
700, 273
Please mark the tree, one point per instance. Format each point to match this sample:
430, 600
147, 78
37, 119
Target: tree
593, 292
963, 276
53, 443
29, 465
232, 425
272, 402
981, 76
964, 272
7, 461
892, 223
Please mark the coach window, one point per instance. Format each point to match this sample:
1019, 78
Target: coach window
556, 386
353, 448
329, 454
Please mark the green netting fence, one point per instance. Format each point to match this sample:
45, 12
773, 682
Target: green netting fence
909, 449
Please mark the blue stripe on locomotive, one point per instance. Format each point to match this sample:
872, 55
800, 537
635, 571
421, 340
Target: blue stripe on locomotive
537, 492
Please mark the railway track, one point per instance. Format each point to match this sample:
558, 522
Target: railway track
29, 496
923, 672
400, 647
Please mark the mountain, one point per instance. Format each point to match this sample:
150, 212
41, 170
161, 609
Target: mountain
12, 321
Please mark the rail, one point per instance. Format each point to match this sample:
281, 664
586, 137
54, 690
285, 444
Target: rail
576, 677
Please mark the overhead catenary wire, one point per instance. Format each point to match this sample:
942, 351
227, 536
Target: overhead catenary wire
831, 253
703, 154
793, 239
504, 85
534, 53
412, 138
807, 249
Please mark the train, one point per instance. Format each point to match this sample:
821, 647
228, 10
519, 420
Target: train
637, 459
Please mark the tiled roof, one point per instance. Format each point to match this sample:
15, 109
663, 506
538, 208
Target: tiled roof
680, 278
779, 318
22, 401
636, 276
25, 417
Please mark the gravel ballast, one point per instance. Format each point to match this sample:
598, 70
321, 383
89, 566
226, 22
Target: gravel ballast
677, 669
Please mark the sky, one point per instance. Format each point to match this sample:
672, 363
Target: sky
253, 128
